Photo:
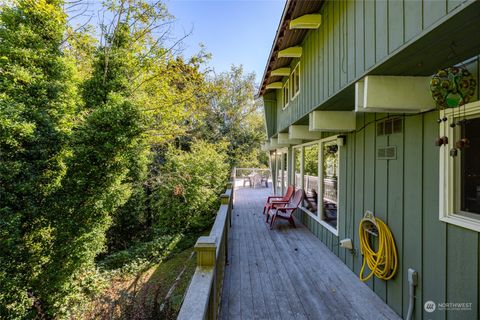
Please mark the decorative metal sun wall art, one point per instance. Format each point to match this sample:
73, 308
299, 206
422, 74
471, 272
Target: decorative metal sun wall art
452, 87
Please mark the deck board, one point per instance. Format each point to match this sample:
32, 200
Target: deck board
288, 273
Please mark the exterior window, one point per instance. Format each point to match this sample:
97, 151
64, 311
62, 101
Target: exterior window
470, 168
460, 174
295, 81
286, 96
285, 174
310, 176
329, 183
281, 170
298, 168
316, 172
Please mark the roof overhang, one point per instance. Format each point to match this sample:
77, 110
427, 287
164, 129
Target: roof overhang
287, 37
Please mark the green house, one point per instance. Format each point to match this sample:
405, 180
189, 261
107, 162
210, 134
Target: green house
351, 120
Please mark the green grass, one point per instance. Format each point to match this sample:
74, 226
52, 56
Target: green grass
141, 296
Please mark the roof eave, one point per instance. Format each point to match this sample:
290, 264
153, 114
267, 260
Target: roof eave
272, 49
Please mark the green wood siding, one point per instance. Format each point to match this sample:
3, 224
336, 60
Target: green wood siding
404, 193
355, 37
270, 112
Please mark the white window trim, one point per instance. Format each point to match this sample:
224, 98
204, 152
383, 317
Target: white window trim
317, 217
292, 79
449, 196
286, 85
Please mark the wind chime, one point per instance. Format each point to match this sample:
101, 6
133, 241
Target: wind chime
452, 87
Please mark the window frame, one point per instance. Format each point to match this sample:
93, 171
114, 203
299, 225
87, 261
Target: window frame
295, 73
449, 172
294, 163
318, 216
286, 97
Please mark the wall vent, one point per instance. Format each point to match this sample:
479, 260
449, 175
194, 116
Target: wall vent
387, 153
389, 126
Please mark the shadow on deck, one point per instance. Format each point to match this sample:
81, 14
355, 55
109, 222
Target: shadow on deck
287, 273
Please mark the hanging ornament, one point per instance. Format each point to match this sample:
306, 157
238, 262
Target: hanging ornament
452, 87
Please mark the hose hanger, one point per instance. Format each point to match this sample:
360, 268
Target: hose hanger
383, 263
369, 224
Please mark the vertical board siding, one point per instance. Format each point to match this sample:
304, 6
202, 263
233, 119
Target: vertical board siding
412, 206
462, 270
395, 26
404, 193
343, 198
343, 44
369, 23
336, 46
359, 176
381, 29
270, 109
395, 211
354, 37
323, 31
350, 196
380, 208
433, 10
434, 232
369, 178
452, 4
350, 41
359, 38
413, 18
329, 36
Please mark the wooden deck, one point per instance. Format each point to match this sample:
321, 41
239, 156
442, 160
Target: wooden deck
287, 273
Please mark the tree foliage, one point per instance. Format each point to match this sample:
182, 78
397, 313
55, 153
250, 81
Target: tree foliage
185, 192
235, 116
111, 145
38, 100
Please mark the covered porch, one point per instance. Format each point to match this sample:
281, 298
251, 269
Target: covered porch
287, 273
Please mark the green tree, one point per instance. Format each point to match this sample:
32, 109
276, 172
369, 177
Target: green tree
185, 192
37, 103
236, 117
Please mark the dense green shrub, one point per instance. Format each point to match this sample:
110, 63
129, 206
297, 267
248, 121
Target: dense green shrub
141, 255
38, 100
95, 185
186, 192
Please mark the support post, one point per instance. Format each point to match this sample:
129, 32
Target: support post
206, 248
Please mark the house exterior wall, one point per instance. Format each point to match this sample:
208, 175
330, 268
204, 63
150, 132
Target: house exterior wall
270, 111
355, 37
404, 193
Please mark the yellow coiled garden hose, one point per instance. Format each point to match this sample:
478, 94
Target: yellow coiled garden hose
382, 263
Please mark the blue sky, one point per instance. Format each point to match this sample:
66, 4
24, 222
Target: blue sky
234, 32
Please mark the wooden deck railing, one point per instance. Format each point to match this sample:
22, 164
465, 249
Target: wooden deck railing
243, 172
202, 299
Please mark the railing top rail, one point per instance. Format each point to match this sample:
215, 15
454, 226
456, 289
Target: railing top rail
198, 298
206, 281
258, 169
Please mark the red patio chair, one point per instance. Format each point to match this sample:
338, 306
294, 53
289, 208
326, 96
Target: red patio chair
279, 201
287, 211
